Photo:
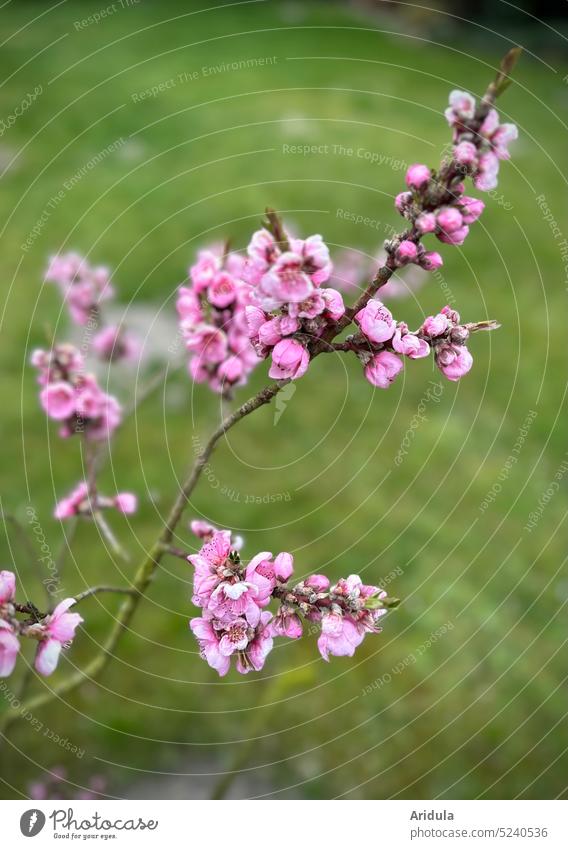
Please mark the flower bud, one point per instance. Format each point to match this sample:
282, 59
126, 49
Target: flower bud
417, 176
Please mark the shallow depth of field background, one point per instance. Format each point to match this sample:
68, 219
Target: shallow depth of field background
482, 710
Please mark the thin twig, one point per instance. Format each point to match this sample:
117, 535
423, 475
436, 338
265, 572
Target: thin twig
104, 589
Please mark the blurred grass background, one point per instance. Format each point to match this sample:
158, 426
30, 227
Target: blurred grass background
482, 711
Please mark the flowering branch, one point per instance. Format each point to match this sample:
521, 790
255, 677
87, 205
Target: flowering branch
237, 311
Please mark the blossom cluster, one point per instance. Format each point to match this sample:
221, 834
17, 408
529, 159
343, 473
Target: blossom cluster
73, 397
84, 288
234, 598
478, 147
82, 502
213, 322
53, 631
383, 341
290, 306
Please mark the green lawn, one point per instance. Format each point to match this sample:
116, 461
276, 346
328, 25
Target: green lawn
482, 710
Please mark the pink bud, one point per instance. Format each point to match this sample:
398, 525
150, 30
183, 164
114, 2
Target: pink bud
449, 219
471, 209
290, 360
457, 237
435, 325
426, 222
431, 261
382, 369
454, 361
319, 583
465, 153
283, 565
126, 502
7, 586
406, 252
402, 201
417, 176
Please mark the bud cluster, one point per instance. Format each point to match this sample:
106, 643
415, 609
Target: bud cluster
234, 598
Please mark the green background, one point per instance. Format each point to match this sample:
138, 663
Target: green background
481, 711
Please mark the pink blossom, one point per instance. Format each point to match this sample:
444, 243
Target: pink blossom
7, 586
313, 306
258, 648
417, 176
74, 503
290, 360
58, 630
286, 281
431, 261
209, 342
229, 600
204, 270
407, 343
209, 639
465, 153
470, 208
382, 369
264, 573
126, 502
58, 400
339, 636
231, 370
113, 343
454, 361
286, 623
188, 306
334, 306
461, 108
376, 321
315, 255
262, 250
406, 252
487, 170
319, 583
235, 637
403, 200
502, 137
426, 222
82, 286
222, 290
289, 325
202, 529
255, 318
269, 333
456, 237
449, 219
435, 325
9, 648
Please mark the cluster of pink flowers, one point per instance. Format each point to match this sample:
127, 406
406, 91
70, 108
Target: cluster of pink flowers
234, 598
478, 147
213, 322
73, 397
383, 341
84, 289
290, 307
53, 631
81, 502
82, 286
449, 220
